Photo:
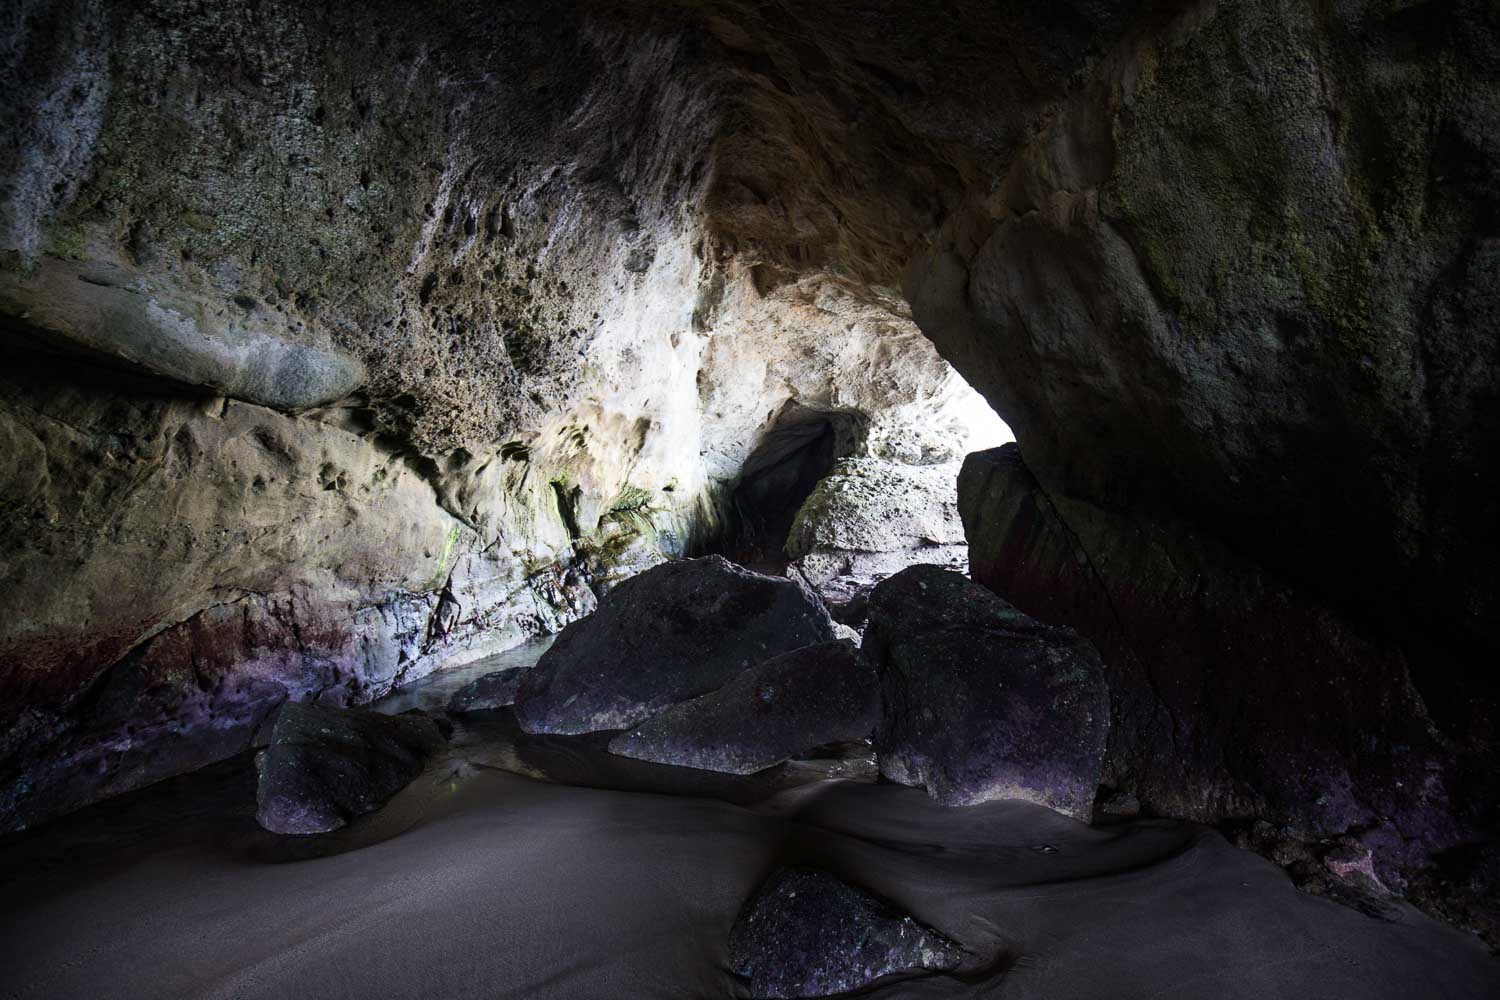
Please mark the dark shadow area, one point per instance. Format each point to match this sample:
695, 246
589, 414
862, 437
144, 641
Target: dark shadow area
792, 457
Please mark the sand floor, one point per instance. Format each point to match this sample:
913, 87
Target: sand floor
538, 868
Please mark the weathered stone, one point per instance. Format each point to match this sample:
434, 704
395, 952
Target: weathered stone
489, 692
1327, 734
554, 385
869, 519
923, 600
769, 713
807, 933
982, 704
327, 766
123, 317
672, 633
1247, 346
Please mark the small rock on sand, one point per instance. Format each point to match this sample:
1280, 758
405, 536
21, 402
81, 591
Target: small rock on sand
492, 691
808, 933
326, 766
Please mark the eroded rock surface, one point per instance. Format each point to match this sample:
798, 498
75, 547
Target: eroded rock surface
394, 359
670, 634
1229, 270
808, 933
326, 767
870, 519
982, 703
790, 703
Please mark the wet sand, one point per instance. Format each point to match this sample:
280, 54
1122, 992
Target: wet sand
490, 877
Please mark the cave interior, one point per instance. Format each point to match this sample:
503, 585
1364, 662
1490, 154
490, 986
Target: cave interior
753, 499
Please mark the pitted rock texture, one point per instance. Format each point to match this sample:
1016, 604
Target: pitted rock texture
487, 693
981, 704
670, 634
790, 703
422, 323
870, 519
1327, 735
326, 767
808, 933
177, 567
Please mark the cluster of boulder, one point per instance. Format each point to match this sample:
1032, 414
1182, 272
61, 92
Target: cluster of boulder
701, 663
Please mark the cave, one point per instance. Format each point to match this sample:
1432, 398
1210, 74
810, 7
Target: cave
795, 454
634, 498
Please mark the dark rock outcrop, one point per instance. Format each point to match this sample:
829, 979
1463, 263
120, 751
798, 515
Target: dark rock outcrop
489, 692
981, 702
672, 633
1235, 694
807, 933
790, 703
1246, 279
325, 767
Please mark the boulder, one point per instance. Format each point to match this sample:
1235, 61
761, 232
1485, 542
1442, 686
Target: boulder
672, 633
981, 702
790, 703
807, 933
869, 519
327, 766
488, 693
924, 600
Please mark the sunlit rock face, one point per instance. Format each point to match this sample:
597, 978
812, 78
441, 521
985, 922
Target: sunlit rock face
870, 519
357, 342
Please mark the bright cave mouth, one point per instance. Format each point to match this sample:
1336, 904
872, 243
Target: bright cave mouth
541, 468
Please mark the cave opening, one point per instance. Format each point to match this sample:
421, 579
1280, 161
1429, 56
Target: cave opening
799, 450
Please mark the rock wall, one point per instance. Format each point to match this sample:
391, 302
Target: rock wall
1237, 299
1235, 694
1244, 278
349, 342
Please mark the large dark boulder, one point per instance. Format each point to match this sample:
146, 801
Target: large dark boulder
807, 933
981, 702
790, 703
327, 766
670, 634
487, 693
